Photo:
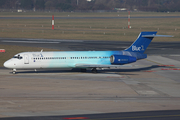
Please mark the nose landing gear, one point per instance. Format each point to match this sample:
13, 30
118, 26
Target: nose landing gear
14, 71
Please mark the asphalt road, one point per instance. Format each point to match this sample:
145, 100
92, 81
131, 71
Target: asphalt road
89, 17
87, 45
156, 48
147, 115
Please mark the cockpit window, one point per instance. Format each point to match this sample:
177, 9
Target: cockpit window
18, 57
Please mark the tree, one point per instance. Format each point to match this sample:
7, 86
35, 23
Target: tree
49, 5
144, 5
101, 5
111, 4
64, 6
2, 3
26, 4
40, 4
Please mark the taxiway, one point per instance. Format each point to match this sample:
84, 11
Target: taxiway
152, 84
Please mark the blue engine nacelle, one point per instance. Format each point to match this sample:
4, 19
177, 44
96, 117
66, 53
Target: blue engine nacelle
121, 59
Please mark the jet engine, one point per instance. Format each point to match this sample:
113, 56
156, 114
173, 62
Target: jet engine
121, 59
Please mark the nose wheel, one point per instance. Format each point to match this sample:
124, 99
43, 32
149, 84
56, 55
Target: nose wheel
14, 71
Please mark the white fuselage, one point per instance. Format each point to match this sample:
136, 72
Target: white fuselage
35, 60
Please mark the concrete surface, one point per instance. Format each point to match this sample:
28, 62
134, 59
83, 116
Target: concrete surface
145, 87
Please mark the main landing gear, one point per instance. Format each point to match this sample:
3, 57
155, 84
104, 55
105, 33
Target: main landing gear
94, 70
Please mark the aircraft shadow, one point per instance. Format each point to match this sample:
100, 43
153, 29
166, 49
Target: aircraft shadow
148, 115
74, 70
134, 69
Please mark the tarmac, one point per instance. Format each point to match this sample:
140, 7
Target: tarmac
150, 88
133, 17
152, 84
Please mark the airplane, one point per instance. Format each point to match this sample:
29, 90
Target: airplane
83, 59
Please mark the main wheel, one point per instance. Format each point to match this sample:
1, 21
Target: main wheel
94, 70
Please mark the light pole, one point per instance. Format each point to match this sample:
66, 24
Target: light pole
34, 9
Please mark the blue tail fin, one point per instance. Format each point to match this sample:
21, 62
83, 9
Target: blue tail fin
142, 42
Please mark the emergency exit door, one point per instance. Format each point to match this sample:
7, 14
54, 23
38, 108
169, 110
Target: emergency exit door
26, 59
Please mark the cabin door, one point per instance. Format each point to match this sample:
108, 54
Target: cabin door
26, 59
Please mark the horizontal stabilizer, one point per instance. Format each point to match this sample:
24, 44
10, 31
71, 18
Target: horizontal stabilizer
146, 36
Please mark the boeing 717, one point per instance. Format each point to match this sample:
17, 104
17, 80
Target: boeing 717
83, 59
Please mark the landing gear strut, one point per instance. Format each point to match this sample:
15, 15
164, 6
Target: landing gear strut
14, 71
94, 70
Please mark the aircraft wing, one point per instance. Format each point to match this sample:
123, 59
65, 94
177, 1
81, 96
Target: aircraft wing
100, 66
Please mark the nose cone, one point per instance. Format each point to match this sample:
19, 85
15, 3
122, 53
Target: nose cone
8, 64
